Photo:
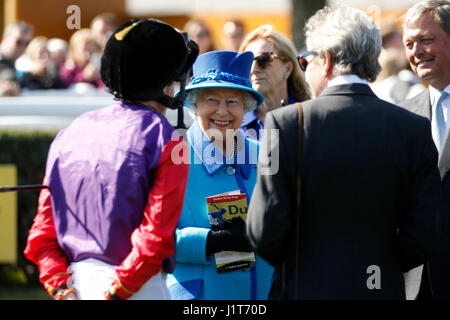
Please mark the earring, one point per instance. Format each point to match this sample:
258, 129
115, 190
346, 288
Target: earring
286, 76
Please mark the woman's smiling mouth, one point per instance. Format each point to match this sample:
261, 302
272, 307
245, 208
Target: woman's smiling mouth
221, 124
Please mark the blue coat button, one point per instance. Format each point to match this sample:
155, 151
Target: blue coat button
231, 170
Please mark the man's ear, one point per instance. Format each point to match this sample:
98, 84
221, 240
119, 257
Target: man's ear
327, 66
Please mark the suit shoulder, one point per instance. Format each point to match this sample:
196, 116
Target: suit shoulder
407, 111
403, 115
285, 115
415, 102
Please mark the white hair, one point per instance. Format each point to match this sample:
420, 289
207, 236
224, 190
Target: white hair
350, 36
56, 44
193, 95
21, 26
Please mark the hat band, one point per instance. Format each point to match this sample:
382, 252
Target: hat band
221, 76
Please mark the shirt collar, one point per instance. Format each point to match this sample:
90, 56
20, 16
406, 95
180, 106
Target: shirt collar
346, 79
211, 158
249, 117
435, 94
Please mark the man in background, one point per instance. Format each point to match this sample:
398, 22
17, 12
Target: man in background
426, 35
233, 33
102, 26
16, 37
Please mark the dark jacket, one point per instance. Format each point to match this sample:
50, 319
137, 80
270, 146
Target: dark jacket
370, 185
50, 81
438, 269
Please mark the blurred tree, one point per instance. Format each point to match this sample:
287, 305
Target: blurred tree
301, 11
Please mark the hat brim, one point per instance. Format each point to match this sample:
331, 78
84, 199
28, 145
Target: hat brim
217, 84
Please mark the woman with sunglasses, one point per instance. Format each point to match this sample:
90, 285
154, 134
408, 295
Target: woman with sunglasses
275, 74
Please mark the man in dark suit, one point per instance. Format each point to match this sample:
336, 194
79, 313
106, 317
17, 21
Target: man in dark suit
370, 182
426, 35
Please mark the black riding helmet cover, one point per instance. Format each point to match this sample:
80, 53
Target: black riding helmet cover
142, 57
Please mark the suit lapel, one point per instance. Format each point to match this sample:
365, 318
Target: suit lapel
420, 104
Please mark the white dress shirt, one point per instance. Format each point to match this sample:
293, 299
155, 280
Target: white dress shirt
346, 79
434, 96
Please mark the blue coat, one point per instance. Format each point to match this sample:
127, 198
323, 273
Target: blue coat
195, 275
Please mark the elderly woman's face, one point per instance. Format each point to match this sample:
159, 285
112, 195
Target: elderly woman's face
272, 77
221, 109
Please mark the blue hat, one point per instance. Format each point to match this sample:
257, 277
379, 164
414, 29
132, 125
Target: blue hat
224, 69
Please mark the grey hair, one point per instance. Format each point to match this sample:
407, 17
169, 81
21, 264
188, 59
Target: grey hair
193, 95
350, 36
21, 26
440, 8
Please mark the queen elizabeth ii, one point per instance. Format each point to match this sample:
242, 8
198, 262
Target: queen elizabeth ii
222, 160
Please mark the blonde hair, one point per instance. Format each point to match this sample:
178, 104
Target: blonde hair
285, 49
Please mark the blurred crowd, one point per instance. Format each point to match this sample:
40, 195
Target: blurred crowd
34, 62
396, 82
29, 62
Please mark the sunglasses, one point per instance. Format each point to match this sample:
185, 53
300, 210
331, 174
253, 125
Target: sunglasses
302, 59
265, 59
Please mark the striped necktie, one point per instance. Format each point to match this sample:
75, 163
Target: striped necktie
438, 124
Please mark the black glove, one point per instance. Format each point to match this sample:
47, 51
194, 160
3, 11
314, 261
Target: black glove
232, 238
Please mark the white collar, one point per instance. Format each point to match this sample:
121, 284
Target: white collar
435, 94
346, 79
